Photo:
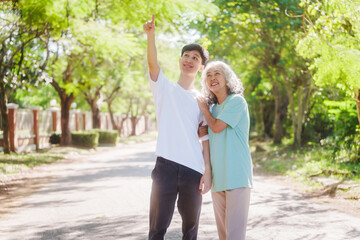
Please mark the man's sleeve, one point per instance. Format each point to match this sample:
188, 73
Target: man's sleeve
233, 111
158, 86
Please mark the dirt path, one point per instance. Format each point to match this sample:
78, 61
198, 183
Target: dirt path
105, 195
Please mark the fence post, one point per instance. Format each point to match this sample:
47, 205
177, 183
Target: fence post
84, 121
12, 109
77, 120
36, 126
54, 115
107, 122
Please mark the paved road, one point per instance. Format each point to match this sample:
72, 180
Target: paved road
106, 196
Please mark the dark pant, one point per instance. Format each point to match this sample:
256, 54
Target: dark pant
170, 180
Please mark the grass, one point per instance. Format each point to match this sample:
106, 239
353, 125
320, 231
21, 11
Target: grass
149, 136
15, 163
308, 161
12, 164
308, 165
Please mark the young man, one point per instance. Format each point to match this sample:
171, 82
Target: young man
182, 170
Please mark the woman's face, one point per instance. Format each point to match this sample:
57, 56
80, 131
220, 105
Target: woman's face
215, 80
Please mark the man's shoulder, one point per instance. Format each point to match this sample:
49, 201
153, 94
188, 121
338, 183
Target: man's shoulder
162, 79
197, 93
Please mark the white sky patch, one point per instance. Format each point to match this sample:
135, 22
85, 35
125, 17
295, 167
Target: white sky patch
178, 40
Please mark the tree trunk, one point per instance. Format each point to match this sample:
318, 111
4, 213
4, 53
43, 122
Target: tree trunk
303, 106
95, 110
300, 115
95, 115
133, 125
357, 99
5, 119
146, 120
304, 93
278, 123
259, 119
66, 101
292, 108
112, 119
121, 127
261, 124
109, 99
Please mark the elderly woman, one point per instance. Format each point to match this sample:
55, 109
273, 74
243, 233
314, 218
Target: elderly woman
229, 149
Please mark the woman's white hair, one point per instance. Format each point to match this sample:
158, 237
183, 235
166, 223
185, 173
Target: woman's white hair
233, 83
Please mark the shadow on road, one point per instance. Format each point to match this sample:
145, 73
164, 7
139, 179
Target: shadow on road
107, 196
131, 227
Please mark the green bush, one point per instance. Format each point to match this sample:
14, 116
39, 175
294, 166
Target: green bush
55, 138
85, 139
107, 136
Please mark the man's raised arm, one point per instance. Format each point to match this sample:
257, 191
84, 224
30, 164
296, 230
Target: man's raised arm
154, 68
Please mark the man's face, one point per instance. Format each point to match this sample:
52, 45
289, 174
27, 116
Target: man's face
191, 62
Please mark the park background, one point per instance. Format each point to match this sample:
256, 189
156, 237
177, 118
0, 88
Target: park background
299, 62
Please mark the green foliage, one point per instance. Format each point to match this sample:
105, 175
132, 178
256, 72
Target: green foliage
25, 29
258, 40
331, 115
88, 139
344, 148
332, 43
312, 161
101, 45
34, 96
107, 136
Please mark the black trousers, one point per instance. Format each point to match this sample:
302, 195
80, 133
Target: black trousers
172, 180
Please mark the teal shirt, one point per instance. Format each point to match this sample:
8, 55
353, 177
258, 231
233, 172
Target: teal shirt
229, 150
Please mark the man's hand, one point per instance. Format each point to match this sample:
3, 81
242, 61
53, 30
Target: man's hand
202, 130
205, 182
149, 26
154, 68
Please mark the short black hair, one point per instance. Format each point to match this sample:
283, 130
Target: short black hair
194, 46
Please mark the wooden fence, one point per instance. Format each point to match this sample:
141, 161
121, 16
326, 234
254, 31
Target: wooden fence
30, 129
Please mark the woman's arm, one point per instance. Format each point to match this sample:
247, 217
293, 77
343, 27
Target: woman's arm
216, 125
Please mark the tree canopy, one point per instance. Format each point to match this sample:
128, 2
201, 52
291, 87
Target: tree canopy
298, 60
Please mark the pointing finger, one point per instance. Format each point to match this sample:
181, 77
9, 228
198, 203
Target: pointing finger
153, 19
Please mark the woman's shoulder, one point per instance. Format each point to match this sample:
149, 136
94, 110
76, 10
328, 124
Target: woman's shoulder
237, 98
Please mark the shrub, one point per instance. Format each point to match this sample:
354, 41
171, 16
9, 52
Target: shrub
85, 139
55, 138
107, 136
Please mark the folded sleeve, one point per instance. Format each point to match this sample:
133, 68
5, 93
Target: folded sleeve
233, 110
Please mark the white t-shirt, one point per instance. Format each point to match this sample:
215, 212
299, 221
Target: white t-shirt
178, 117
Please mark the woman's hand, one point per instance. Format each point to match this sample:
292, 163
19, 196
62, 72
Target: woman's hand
205, 182
202, 103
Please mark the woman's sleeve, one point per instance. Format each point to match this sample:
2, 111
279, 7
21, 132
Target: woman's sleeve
233, 111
